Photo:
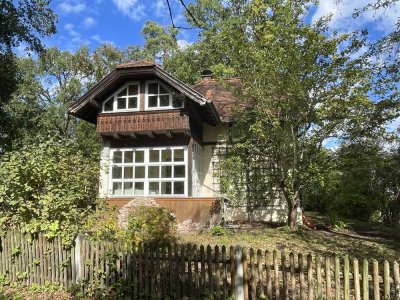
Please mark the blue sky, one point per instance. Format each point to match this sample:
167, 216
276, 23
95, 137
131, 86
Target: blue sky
120, 22
115, 21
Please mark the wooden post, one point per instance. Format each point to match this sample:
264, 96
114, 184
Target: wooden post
375, 274
310, 277
386, 280
365, 280
356, 279
268, 273
337, 277
396, 279
78, 259
245, 277
284, 275
239, 278
232, 269
260, 273
276, 275
253, 287
292, 275
319, 277
328, 278
301, 278
346, 278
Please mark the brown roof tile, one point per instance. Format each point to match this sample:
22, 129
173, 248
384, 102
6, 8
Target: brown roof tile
137, 64
221, 95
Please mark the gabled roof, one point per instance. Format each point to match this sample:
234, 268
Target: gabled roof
87, 107
222, 93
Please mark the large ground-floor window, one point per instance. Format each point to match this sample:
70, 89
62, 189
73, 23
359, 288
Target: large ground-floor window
148, 171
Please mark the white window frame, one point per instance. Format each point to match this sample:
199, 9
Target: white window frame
158, 107
147, 180
114, 97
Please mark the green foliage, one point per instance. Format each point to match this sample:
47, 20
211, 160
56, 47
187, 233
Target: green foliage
49, 187
152, 225
301, 84
103, 225
218, 230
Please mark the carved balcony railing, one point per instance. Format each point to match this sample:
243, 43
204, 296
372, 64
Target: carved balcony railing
142, 122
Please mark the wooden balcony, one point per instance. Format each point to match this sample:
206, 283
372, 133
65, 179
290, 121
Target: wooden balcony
142, 122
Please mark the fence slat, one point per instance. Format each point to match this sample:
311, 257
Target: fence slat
386, 280
396, 279
328, 286
356, 279
245, 276
253, 287
310, 278
276, 275
301, 277
375, 272
337, 277
319, 276
346, 278
260, 274
268, 273
365, 280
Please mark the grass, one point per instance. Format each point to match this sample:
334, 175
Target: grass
363, 241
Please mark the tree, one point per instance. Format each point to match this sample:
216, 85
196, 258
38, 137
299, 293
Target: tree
159, 41
300, 86
48, 186
21, 23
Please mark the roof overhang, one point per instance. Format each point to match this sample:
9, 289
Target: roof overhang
87, 107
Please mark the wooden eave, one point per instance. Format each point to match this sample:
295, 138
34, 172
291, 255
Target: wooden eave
87, 107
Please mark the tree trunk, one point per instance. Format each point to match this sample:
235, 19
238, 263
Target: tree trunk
292, 216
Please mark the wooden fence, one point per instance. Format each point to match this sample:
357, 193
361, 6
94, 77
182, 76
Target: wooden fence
195, 272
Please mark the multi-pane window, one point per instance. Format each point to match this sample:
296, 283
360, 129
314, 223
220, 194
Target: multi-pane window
148, 171
126, 98
159, 97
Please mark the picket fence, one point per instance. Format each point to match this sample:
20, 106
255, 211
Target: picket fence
192, 271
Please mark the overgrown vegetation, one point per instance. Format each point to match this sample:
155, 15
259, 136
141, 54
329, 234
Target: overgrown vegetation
144, 224
48, 186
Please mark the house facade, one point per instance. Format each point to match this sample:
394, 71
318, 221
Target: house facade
161, 139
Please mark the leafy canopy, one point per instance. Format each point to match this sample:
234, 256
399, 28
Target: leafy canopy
48, 186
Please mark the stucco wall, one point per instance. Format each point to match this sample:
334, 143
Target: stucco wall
211, 136
104, 161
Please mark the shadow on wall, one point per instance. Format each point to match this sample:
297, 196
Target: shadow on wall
269, 214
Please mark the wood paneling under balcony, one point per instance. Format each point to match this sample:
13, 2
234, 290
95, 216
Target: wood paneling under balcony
142, 122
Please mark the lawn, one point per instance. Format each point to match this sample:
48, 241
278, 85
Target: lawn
363, 240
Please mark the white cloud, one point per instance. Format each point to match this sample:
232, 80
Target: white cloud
161, 9
131, 8
383, 20
71, 7
76, 39
89, 22
98, 39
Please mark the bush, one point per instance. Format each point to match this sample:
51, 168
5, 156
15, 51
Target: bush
151, 225
48, 187
218, 230
143, 224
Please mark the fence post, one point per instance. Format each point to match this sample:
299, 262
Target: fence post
77, 262
239, 288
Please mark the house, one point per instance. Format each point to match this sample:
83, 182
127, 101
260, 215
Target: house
160, 140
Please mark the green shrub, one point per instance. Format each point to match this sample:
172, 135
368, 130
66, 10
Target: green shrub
151, 225
144, 224
103, 226
218, 230
48, 187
